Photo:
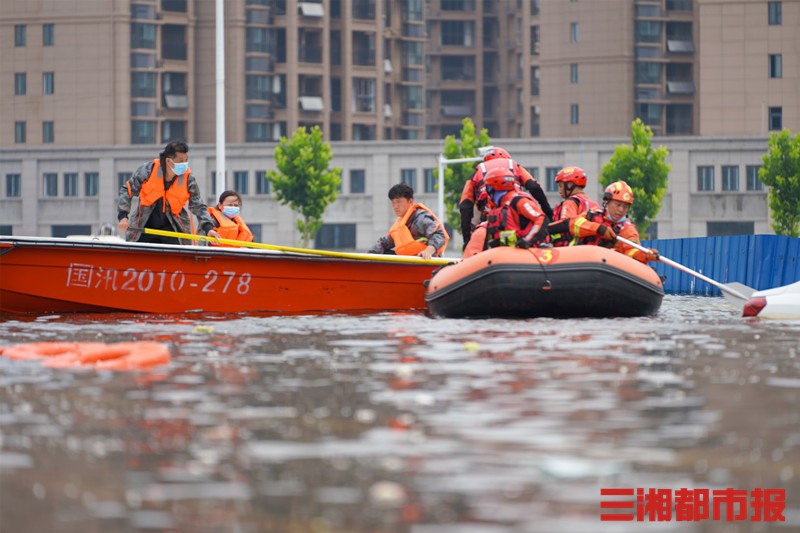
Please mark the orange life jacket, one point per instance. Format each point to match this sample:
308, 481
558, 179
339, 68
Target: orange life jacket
505, 220
404, 243
599, 217
153, 189
234, 229
585, 204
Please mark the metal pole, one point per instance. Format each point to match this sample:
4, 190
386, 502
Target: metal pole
442, 163
220, 77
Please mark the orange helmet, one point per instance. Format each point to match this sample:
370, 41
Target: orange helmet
500, 179
494, 152
620, 191
574, 175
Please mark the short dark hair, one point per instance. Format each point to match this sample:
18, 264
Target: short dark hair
228, 194
401, 190
173, 147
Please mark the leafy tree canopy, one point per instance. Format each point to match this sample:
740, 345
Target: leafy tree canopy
781, 173
456, 175
303, 179
644, 169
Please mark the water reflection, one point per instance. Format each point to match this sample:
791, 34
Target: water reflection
397, 422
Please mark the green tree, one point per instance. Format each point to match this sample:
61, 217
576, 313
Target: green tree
644, 169
456, 175
303, 179
781, 173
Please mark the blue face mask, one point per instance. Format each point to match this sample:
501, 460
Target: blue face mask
230, 211
180, 168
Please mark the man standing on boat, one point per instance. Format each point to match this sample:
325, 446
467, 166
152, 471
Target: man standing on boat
473, 193
157, 197
417, 231
571, 182
602, 227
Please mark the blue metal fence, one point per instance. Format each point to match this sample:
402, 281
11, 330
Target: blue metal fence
758, 261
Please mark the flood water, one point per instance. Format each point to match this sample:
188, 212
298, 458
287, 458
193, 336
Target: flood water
398, 422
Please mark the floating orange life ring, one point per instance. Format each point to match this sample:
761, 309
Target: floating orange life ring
116, 356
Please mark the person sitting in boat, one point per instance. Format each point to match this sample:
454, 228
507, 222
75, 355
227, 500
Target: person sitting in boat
471, 195
571, 182
602, 226
515, 217
416, 231
157, 197
227, 221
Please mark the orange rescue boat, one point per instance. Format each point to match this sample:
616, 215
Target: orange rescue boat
574, 281
51, 275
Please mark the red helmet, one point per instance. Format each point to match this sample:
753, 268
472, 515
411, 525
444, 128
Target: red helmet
494, 152
500, 179
619, 191
574, 175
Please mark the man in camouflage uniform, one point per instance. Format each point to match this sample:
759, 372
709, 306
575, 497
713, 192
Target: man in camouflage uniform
157, 196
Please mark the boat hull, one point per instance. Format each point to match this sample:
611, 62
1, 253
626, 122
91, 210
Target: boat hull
40, 276
579, 281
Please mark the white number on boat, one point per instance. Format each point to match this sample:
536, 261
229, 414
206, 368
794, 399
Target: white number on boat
85, 276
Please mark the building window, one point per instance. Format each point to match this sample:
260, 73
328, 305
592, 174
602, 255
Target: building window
19, 132
536, 38
573, 114
91, 181
20, 83
143, 132
257, 40
775, 118
721, 229
48, 83
775, 66
257, 87
143, 35
48, 132
48, 35
730, 178
256, 132
50, 184
143, 84
753, 181
13, 182
65, 230
358, 179
574, 32
71, 184
430, 180
241, 182
262, 183
550, 178
649, 113
122, 179
173, 42
178, 6
409, 177
19, 35
335, 236
775, 15
173, 130
705, 178
646, 72
573, 73
363, 95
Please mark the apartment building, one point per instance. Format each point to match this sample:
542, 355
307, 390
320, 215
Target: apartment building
120, 72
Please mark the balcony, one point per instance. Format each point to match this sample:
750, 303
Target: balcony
364, 57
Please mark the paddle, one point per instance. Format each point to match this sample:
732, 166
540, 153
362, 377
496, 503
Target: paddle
733, 292
308, 251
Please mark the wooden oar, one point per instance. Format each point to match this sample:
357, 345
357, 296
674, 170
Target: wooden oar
731, 291
308, 251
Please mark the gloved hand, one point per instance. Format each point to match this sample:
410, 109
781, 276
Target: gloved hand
606, 233
652, 255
